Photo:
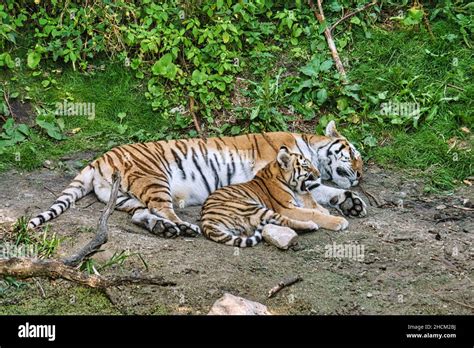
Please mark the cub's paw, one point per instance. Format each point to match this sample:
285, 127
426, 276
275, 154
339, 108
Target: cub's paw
341, 224
189, 230
309, 226
349, 204
166, 228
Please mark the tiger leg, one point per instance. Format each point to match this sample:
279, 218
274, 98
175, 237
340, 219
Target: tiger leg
310, 203
154, 195
166, 211
329, 222
297, 225
142, 216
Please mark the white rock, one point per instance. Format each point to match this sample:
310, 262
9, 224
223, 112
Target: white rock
234, 305
279, 236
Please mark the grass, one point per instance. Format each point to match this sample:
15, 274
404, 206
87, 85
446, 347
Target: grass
404, 62
59, 300
387, 62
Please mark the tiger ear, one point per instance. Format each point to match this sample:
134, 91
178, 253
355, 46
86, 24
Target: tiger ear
331, 130
284, 158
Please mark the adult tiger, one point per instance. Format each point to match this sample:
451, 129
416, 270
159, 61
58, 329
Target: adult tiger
236, 214
157, 174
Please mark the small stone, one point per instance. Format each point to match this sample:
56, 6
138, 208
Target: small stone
441, 207
279, 236
369, 295
235, 305
467, 203
48, 164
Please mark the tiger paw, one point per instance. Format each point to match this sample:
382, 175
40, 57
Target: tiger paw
341, 224
311, 226
166, 228
189, 230
349, 204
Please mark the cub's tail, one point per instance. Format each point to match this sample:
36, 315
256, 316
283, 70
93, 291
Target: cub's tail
78, 188
230, 236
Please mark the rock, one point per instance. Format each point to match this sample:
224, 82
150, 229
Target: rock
234, 305
48, 164
369, 295
441, 207
279, 236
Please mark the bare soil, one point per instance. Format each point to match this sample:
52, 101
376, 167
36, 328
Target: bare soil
417, 256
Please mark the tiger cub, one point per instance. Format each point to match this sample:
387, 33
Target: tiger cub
236, 214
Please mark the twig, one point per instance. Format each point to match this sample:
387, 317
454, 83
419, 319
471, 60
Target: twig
327, 32
455, 87
369, 195
28, 268
283, 284
193, 114
43, 294
50, 191
452, 300
462, 208
349, 15
101, 236
5, 96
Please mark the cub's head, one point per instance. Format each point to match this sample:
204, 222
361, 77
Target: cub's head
296, 169
339, 161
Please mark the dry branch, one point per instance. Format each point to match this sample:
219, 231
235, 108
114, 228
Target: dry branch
319, 14
54, 269
102, 230
349, 15
283, 284
28, 268
193, 114
370, 195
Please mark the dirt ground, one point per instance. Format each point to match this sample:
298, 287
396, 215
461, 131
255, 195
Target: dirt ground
417, 256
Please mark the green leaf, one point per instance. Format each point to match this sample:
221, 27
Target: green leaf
309, 70
326, 65
370, 141
342, 103
165, 67
48, 123
255, 113
198, 77
225, 37
322, 96
235, 130
33, 59
355, 20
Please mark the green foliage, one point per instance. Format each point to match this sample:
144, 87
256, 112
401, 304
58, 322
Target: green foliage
13, 134
45, 245
141, 62
116, 260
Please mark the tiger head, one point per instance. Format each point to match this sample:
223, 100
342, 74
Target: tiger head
296, 169
339, 161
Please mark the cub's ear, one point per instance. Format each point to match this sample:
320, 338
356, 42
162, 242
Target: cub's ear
331, 130
284, 158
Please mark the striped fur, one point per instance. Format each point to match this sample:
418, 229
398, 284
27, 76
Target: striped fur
158, 175
235, 215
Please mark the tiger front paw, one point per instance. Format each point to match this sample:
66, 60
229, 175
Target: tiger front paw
349, 204
309, 226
